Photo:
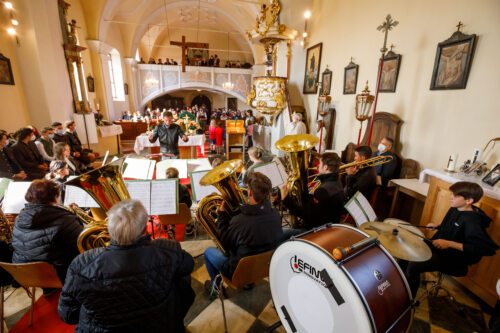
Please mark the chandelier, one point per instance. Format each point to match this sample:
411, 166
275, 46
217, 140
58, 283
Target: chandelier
228, 85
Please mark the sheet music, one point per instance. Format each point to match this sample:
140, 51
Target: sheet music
181, 165
138, 168
360, 209
14, 200
4, 183
199, 164
281, 168
140, 190
164, 197
78, 196
272, 171
199, 192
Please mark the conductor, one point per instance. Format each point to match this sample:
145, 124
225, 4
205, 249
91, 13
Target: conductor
169, 134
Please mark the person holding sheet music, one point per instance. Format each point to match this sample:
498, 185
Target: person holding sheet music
256, 229
168, 133
45, 231
326, 204
59, 173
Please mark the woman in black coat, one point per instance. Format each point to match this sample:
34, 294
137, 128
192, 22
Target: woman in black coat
133, 285
45, 231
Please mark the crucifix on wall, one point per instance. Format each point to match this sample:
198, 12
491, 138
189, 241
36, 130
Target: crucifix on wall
185, 45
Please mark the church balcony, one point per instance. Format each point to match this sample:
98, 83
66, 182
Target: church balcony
156, 80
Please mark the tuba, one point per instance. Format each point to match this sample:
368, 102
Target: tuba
105, 185
223, 177
297, 147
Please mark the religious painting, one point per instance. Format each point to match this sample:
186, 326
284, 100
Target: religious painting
313, 63
453, 62
390, 72
326, 82
350, 78
493, 176
90, 83
6, 76
196, 56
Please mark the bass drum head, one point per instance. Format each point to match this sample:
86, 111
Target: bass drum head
302, 299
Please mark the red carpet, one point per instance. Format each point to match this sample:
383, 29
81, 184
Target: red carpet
45, 318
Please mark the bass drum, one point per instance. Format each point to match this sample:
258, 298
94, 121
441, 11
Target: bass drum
312, 292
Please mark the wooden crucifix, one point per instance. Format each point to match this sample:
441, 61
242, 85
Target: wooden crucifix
185, 45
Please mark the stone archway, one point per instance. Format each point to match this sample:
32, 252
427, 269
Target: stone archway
202, 100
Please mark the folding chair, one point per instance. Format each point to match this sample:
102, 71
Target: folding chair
31, 275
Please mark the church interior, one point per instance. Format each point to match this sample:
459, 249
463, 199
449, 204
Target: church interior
298, 88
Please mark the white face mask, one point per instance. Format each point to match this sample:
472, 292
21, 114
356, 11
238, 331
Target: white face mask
60, 131
51, 136
33, 138
381, 147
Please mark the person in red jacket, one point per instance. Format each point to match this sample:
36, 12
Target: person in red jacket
219, 137
211, 134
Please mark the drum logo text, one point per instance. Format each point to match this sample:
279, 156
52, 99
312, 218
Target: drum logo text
300, 266
383, 286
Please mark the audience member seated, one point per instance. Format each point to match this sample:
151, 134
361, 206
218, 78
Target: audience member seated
106, 291
127, 115
297, 126
59, 173
389, 170
59, 132
86, 156
256, 229
29, 160
45, 231
45, 144
461, 239
62, 152
325, 204
9, 167
363, 180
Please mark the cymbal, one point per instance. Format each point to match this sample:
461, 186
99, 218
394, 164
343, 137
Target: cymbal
404, 225
400, 242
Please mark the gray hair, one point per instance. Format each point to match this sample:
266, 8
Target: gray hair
127, 221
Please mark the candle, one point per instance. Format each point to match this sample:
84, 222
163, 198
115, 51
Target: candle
452, 163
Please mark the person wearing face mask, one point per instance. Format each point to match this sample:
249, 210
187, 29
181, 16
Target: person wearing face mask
9, 167
58, 132
389, 170
45, 144
168, 133
26, 156
85, 156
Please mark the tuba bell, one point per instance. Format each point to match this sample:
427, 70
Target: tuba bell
297, 147
105, 185
224, 179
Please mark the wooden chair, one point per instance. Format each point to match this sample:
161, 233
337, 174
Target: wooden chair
30, 275
249, 270
183, 217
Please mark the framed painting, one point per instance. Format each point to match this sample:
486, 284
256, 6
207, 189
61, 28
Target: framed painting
313, 63
390, 72
350, 78
6, 76
453, 61
326, 82
90, 83
493, 176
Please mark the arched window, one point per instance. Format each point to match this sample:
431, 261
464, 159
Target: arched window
137, 56
116, 75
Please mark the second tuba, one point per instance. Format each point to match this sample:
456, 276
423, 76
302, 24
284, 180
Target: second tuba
297, 147
106, 186
223, 178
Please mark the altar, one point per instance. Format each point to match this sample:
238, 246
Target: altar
187, 150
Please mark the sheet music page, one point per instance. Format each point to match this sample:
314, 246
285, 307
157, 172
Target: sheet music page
4, 183
199, 164
272, 172
180, 165
164, 197
360, 210
281, 168
140, 190
199, 192
78, 196
137, 168
14, 200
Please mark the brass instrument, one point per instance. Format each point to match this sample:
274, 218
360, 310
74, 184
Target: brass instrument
223, 177
105, 185
5, 229
297, 147
314, 183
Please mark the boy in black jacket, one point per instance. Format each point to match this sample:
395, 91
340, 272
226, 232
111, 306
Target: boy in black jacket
461, 239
